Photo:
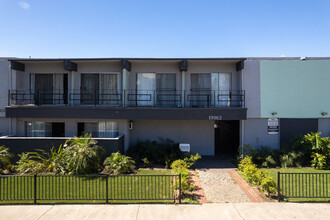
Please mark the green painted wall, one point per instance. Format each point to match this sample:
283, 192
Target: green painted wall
294, 88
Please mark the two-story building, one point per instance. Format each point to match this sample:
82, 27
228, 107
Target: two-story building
214, 105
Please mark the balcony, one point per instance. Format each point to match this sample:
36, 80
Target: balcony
130, 98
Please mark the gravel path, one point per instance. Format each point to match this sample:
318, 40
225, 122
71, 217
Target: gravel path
220, 187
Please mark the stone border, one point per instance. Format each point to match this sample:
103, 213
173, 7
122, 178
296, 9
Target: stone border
248, 190
199, 192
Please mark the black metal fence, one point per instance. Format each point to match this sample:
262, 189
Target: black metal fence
109, 188
303, 185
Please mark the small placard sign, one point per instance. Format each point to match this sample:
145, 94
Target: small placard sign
273, 126
185, 147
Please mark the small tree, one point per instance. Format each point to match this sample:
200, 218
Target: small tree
321, 150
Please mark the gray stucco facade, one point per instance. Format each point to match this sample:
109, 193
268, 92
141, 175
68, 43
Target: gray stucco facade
183, 122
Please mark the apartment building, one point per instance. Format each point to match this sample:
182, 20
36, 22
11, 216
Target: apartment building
214, 105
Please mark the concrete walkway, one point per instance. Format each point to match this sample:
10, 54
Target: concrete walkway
227, 211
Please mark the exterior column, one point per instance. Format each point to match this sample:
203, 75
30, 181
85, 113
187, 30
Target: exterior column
183, 69
124, 86
126, 68
183, 87
72, 87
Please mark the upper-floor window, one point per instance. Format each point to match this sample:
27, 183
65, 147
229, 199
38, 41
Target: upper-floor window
211, 81
156, 89
210, 89
49, 88
100, 88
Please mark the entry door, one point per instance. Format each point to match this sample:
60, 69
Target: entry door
43, 88
146, 86
226, 137
89, 89
58, 129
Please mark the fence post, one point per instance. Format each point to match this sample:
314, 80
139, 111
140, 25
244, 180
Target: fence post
278, 186
35, 188
106, 189
180, 188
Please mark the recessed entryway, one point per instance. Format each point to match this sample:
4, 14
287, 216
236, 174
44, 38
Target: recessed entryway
226, 137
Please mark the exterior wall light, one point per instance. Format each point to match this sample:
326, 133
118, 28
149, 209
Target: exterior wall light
324, 113
130, 125
274, 113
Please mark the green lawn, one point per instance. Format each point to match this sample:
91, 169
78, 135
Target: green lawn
121, 189
300, 185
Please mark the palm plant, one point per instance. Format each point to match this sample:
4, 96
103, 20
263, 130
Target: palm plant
4, 157
82, 155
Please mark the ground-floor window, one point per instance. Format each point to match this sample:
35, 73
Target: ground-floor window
103, 129
44, 129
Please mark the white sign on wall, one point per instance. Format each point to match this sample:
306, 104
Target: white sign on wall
184, 147
273, 126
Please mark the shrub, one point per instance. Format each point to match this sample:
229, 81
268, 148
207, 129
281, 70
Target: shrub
247, 150
269, 162
186, 185
299, 144
268, 184
163, 152
82, 155
27, 165
179, 164
51, 162
291, 159
258, 176
249, 171
118, 164
191, 159
147, 162
4, 158
180, 167
244, 161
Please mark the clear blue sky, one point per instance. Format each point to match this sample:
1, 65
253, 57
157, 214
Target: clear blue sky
164, 28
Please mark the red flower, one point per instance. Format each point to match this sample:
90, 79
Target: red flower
180, 167
171, 181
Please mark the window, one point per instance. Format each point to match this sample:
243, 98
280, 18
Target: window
156, 88
210, 89
44, 129
100, 88
49, 88
104, 129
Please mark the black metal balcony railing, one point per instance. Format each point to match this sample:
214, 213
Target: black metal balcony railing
131, 98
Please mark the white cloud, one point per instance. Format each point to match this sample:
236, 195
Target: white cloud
24, 5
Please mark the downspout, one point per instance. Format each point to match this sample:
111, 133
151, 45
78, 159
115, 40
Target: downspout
10, 88
242, 121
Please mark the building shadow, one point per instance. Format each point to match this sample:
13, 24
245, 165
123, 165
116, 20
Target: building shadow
216, 162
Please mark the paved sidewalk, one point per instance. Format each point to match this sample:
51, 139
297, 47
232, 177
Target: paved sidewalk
227, 211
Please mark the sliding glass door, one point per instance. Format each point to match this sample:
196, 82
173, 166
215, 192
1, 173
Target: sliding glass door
89, 89
221, 84
166, 94
201, 94
49, 88
146, 86
210, 89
